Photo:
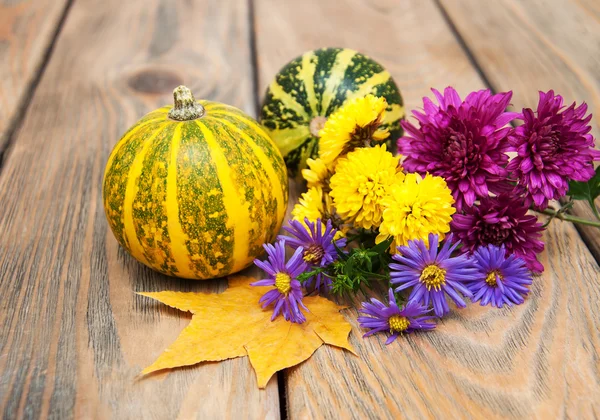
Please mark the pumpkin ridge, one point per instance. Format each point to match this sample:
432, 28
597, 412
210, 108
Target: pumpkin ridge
324, 60
177, 236
393, 115
214, 106
279, 94
366, 86
128, 135
307, 74
337, 71
115, 179
203, 216
230, 200
251, 184
257, 127
269, 150
131, 190
270, 172
149, 210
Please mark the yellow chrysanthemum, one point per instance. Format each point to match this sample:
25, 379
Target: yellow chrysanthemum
310, 205
356, 124
361, 181
315, 204
317, 174
416, 208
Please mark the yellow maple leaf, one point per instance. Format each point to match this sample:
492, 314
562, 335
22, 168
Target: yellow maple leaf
232, 324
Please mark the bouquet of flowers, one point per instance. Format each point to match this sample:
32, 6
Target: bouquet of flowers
449, 218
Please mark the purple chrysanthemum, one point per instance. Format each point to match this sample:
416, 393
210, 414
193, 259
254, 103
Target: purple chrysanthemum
391, 318
462, 141
317, 243
500, 280
501, 220
432, 274
287, 294
552, 148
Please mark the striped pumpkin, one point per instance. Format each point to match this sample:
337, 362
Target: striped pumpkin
194, 190
313, 86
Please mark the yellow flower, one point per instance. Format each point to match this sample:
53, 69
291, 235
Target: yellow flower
315, 204
309, 205
415, 208
361, 181
317, 174
356, 124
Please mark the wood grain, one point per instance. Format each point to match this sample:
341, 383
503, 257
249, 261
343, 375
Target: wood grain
74, 336
27, 30
537, 360
538, 45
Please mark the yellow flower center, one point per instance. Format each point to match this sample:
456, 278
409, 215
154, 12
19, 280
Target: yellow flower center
433, 277
398, 323
415, 211
314, 254
283, 283
363, 136
492, 277
372, 189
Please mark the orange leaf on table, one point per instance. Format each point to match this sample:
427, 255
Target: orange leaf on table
232, 324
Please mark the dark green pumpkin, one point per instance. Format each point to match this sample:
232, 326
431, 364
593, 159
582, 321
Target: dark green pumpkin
311, 87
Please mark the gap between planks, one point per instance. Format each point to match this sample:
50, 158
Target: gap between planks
463, 45
12, 129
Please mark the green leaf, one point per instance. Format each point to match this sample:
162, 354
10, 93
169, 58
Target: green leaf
349, 270
369, 265
383, 246
587, 191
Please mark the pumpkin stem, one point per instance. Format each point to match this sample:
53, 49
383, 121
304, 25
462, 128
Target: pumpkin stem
186, 108
316, 124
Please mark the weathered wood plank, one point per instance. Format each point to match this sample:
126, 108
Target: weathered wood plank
530, 361
73, 333
27, 29
538, 45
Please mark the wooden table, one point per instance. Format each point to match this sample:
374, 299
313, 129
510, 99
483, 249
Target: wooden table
75, 74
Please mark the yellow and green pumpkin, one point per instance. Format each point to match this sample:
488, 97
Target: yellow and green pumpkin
311, 87
194, 190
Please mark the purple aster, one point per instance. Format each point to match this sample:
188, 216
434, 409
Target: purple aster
432, 274
317, 243
287, 294
462, 141
553, 146
501, 220
500, 280
391, 318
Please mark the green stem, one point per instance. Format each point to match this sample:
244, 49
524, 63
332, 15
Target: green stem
374, 275
185, 107
569, 218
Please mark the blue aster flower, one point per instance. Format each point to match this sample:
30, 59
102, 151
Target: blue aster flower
412, 317
287, 294
317, 242
432, 274
500, 279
